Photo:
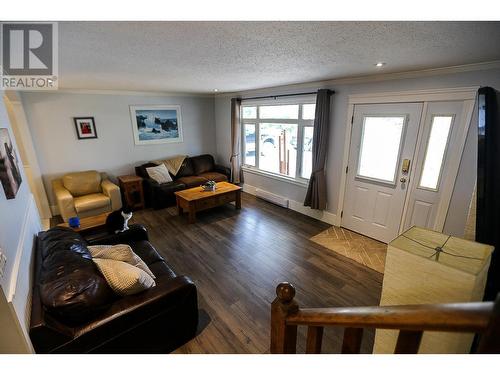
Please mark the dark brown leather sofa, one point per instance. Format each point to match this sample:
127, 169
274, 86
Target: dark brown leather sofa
195, 171
75, 311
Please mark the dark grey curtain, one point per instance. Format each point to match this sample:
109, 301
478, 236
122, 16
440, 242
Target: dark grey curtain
316, 191
236, 172
488, 183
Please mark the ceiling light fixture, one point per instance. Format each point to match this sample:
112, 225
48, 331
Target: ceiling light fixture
380, 64
215, 90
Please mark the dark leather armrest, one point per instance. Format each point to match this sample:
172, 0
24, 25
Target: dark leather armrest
150, 187
136, 232
222, 169
150, 183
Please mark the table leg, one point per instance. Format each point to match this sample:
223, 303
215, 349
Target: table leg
238, 200
192, 214
179, 208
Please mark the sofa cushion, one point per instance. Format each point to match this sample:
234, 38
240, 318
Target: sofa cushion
119, 252
192, 181
203, 164
171, 187
124, 278
214, 176
141, 169
159, 174
82, 183
91, 202
186, 169
61, 238
70, 285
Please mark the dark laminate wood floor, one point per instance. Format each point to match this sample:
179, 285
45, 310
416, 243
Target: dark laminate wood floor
237, 258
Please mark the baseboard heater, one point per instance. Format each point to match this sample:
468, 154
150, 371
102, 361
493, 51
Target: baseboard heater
270, 197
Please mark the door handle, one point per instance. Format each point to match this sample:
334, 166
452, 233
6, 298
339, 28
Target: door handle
405, 168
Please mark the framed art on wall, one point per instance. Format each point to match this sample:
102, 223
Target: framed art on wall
85, 127
10, 174
156, 124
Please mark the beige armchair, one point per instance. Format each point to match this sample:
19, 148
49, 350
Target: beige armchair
85, 194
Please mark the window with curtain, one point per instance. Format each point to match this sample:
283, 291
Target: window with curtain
277, 136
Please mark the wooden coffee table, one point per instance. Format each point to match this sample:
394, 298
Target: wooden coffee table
196, 199
89, 223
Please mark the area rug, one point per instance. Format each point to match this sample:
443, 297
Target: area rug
367, 251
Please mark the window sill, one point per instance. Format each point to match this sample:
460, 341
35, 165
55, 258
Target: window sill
274, 176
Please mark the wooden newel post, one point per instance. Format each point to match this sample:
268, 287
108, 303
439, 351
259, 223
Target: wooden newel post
490, 340
283, 336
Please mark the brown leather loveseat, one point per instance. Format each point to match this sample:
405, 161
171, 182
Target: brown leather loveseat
195, 171
75, 311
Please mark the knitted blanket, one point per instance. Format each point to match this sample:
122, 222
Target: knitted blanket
173, 164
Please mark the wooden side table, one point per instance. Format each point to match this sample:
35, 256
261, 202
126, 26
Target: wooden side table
132, 193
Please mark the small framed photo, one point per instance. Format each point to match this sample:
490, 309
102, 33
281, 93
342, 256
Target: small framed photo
85, 127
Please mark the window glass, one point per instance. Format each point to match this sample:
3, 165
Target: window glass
249, 112
307, 152
279, 111
278, 148
379, 149
249, 143
276, 140
436, 147
308, 111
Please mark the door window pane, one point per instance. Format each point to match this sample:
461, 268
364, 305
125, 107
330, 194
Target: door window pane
308, 111
436, 147
279, 111
307, 152
249, 144
249, 112
278, 148
380, 145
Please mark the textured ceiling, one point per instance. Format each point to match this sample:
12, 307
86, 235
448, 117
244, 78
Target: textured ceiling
233, 56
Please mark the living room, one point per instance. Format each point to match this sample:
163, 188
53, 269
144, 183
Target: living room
169, 188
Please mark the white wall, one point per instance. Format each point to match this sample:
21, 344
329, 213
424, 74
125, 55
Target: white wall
19, 222
455, 221
50, 117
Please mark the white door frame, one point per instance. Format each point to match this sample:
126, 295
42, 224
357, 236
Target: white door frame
465, 94
27, 152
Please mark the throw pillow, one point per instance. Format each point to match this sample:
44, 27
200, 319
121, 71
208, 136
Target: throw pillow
121, 252
159, 174
124, 278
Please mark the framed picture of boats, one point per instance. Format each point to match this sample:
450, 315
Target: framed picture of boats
156, 124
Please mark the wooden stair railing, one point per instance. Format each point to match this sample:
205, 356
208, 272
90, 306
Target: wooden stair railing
410, 320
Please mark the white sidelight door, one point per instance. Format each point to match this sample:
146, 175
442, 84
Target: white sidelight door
383, 142
438, 149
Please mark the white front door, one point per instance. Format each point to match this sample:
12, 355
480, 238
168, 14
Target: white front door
382, 146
